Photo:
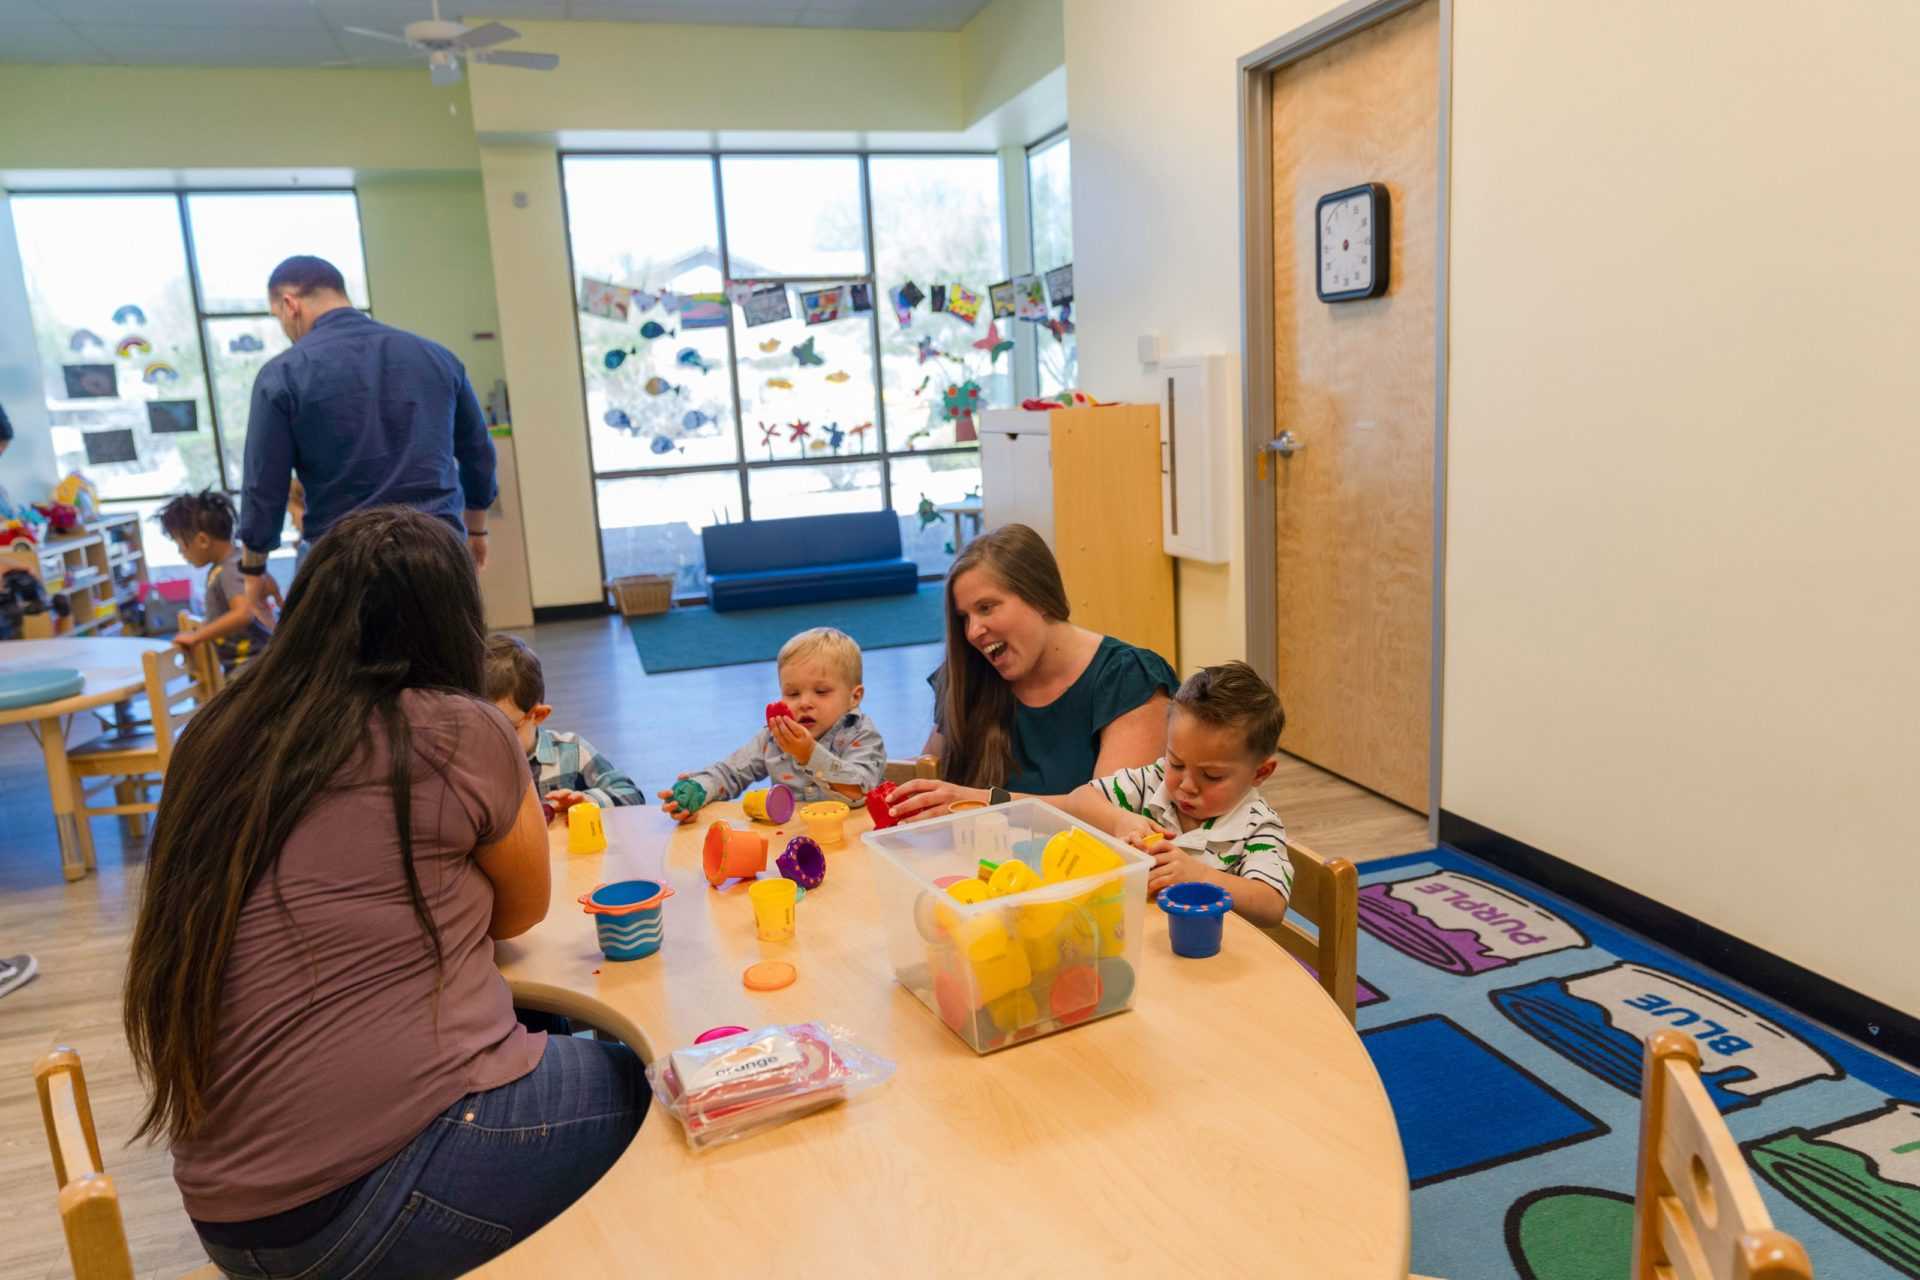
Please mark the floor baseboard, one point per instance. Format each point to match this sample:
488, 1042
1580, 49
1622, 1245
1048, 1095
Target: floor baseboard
569, 612
1867, 1020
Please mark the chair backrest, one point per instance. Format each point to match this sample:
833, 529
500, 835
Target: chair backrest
203, 659
908, 770
1696, 1213
174, 692
89, 1205
1326, 892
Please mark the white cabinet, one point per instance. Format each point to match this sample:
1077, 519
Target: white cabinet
1198, 425
1016, 470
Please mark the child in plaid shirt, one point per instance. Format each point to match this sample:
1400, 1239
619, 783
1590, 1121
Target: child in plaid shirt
565, 766
1202, 797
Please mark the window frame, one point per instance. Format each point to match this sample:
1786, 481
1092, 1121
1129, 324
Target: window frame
742, 464
200, 313
1059, 136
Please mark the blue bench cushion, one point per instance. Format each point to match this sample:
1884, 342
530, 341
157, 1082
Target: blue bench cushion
806, 558
30, 686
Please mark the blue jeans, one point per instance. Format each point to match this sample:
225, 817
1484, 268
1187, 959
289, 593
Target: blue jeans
489, 1171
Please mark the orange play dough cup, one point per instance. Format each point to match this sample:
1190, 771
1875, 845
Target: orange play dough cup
729, 852
826, 822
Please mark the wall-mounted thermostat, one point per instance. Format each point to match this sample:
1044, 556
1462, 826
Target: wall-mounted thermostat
1199, 424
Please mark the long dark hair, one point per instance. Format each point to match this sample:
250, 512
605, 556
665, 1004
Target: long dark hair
976, 739
387, 602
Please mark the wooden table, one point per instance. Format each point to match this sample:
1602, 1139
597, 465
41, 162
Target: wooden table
966, 507
111, 668
1229, 1124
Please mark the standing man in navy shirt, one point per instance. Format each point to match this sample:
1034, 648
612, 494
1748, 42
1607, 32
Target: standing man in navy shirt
365, 414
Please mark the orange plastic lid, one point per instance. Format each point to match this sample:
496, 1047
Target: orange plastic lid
769, 975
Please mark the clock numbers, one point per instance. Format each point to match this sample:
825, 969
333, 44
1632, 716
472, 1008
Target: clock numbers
1348, 262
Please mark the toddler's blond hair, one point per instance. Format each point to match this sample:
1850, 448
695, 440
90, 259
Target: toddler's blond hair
835, 647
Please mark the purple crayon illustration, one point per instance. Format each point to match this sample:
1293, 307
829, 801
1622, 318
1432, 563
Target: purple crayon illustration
1460, 924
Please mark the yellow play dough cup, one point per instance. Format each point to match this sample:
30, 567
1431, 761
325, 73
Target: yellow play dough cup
773, 908
825, 821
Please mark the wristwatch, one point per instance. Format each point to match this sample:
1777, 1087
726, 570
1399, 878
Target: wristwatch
998, 795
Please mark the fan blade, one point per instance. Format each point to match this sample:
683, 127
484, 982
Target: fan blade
378, 35
485, 37
531, 61
445, 73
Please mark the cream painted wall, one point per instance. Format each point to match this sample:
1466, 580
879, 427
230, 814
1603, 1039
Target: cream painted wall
1682, 613
1008, 46
1681, 620
215, 118
27, 469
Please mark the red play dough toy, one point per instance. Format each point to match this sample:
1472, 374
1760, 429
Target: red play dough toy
877, 801
777, 709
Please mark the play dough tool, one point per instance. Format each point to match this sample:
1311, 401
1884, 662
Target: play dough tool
1074, 853
1011, 877
826, 821
584, 832
987, 868
775, 804
878, 801
627, 918
961, 806
803, 862
730, 852
1196, 912
773, 908
769, 975
717, 1033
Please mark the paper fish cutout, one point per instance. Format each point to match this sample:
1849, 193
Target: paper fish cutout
963, 303
839, 375
654, 329
779, 384
660, 444
159, 371
928, 351
818, 446
806, 355
859, 431
800, 432
129, 314
993, 344
692, 359
694, 419
133, 345
246, 342
614, 358
659, 386
927, 512
82, 339
770, 346
617, 418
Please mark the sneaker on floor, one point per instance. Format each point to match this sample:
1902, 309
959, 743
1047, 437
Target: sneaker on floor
16, 971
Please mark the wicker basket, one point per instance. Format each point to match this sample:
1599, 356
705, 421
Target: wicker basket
642, 593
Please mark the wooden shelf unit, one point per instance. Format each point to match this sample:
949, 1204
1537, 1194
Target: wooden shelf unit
99, 569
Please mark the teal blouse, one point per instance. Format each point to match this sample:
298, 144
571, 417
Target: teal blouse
1056, 746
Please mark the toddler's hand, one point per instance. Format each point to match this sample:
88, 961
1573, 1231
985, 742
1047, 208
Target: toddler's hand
792, 738
562, 799
1134, 828
674, 795
1172, 865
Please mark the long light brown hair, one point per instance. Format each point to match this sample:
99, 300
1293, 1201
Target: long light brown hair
976, 739
387, 602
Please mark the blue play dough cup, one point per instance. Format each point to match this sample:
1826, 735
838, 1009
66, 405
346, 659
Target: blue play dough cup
627, 917
1196, 913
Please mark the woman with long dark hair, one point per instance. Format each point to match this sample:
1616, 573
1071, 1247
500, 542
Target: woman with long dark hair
1027, 701
311, 994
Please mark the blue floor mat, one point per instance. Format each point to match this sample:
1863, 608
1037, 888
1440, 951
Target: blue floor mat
685, 638
1510, 1048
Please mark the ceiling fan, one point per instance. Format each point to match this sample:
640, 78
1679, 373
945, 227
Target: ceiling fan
446, 43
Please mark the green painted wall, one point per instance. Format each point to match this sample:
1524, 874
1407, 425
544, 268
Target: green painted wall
430, 266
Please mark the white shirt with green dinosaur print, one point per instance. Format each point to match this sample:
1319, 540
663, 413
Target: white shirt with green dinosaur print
1248, 840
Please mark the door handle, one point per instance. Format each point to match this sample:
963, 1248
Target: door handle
1286, 444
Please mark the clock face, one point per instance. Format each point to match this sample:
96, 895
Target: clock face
1347, 259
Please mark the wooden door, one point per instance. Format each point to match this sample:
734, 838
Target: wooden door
1354, 383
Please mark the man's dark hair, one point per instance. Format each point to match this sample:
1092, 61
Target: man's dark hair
209, 511
1232, 695
513, 671
302, 274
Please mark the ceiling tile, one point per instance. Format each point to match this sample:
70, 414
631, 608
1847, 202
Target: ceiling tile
767, 13
31, 41
211, 46
270, 14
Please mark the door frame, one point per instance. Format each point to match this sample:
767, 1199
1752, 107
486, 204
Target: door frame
1254, 87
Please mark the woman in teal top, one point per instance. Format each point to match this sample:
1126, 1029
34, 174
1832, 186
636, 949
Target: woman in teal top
1026, 701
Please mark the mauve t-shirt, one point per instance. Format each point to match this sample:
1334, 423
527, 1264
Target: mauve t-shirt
335, 1048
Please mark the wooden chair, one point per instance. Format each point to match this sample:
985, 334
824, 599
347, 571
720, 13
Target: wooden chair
908, 770
89, 1204
1326, 891
177, 685
1696, 1213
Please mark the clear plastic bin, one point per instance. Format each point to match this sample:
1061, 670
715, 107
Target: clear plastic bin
1059, 949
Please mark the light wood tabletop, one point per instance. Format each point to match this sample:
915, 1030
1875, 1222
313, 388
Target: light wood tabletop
111, 668
1230, 1123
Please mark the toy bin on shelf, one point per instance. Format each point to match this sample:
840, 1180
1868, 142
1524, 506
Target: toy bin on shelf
1034, 951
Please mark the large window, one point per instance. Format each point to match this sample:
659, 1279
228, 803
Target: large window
1050, 206
150, 313
704, 409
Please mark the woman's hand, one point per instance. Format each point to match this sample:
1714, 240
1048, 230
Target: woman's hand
930, 798
792, 737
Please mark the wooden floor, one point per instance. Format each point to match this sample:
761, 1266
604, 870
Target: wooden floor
652, 726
